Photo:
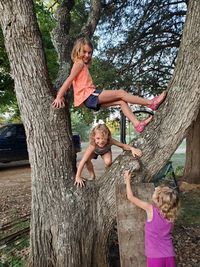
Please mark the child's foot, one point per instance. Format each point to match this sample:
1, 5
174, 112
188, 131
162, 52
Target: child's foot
142, 124
157, 101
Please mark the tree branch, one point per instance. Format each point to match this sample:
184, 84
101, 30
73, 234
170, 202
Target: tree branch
93, 19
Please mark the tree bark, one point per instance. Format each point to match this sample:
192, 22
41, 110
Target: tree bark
70, 226
63, 43
173, 120
192, 164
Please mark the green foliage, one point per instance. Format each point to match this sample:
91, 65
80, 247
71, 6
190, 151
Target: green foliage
105, 75
142, 39
179, 171
46, 24
79, 17
178, 160
114, 126
8, 102
7, 95
189, 212
79, 125
13, 255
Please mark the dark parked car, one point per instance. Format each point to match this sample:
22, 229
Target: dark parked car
13, 146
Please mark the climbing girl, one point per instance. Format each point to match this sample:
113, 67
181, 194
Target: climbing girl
161, 214
85, 92
100, 144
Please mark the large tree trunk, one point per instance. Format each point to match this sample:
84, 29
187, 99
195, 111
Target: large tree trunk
192, 164
181, 107
70, 226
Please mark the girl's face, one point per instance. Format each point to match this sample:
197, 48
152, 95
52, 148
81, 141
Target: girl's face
100, 139
87, 54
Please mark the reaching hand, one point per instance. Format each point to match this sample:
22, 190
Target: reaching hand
59, 102
136, 152
127, 176
79, 181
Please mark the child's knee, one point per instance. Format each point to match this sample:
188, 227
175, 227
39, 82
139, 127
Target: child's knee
108, 163
121, 93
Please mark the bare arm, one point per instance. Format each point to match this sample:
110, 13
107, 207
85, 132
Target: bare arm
79, 181
134, 200
135, 151
59, 101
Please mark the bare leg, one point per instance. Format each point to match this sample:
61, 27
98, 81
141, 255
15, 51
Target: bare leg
109, 96
127, 112
107, 158
90, 168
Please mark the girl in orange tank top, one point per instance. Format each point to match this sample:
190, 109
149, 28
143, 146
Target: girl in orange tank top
86, 93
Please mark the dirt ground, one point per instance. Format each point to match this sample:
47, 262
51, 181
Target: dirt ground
15, 186
15, 201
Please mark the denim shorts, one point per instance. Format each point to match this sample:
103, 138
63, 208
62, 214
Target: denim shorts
92, 102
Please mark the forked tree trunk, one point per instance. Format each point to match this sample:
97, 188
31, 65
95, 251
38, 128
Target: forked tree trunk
181, 107
192, 164
70, 226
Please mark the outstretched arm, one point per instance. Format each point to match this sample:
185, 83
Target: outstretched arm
59, 101
135, 151
79, 180
134, 200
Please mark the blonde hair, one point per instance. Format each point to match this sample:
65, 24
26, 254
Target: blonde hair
77, 50
103, 129
167, 201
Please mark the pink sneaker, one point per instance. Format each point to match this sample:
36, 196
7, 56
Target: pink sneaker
140, 127
157, 101
142, 124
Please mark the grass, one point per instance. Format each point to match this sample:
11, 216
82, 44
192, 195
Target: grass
12, 255
189, 210
178, 160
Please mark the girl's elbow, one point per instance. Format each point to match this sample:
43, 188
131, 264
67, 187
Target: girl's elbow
128, 197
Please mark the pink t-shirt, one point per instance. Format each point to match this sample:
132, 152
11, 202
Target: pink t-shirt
83, 86
158, 237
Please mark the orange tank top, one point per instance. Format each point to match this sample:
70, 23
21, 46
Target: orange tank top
83, 86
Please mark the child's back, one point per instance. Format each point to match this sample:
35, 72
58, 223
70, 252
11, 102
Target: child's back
158, 236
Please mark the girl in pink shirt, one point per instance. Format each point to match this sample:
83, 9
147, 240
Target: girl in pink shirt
86, 93
161, 214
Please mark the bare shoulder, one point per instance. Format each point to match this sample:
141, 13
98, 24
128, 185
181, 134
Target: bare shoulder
91, 147
79, 62
76, 68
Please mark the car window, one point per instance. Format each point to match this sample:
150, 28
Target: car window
21, 131
3, 129
8, 131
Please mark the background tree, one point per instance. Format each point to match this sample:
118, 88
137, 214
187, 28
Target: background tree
192, 169
8, 102
7, 95
144, 52
142, 40
70, 226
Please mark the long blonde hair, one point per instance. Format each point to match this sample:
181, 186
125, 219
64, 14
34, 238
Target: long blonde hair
77, 50
103, 129
167, 201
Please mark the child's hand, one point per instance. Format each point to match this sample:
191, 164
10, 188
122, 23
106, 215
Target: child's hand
79, 181
127, 176
59, 102
136, 152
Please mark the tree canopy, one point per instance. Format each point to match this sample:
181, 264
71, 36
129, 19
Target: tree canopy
136, 44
